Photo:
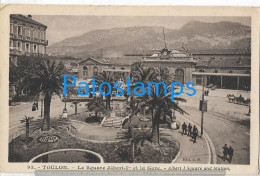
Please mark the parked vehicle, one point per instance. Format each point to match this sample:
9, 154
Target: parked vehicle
238, 100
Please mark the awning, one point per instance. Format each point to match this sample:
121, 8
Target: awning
220, 74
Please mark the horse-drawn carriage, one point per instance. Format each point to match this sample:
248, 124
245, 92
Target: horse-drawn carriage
238, 99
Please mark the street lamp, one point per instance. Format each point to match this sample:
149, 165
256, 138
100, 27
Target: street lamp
203, 104
65, 101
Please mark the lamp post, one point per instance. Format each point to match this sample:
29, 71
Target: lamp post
202, 105
65, 102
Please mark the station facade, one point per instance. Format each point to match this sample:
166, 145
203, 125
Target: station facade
225, 69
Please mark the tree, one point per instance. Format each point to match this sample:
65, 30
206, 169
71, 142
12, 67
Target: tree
142, 74
97, 104
160, 105
111, 78
18, 72
27, 125
46, 78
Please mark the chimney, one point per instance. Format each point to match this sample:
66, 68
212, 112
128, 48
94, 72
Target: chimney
30, 16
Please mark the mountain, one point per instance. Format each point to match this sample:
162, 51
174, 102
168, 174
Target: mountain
116, 42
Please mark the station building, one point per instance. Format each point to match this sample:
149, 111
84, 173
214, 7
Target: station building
226, 69
229, 69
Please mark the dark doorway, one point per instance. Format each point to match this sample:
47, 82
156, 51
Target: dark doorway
245, 83
229, 82
215, 80
179, 75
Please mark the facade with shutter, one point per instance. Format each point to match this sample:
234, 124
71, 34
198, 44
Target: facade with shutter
27, 37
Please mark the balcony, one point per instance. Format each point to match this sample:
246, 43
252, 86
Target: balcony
39, 55
18, 52
28, 39
45, 42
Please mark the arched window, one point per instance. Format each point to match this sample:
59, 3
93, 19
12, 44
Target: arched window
95, 71
122, 68
215, 71
179, 75
85, 71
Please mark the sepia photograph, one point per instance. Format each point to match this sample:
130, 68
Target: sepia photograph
207, 55
167, 90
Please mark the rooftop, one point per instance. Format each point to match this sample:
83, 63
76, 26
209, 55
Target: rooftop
125, 60
230, 62
242, 51
26, 19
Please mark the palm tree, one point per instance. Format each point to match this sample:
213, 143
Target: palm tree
142, 74
97, 104
160, 105
46, 78
135, 66
109, 77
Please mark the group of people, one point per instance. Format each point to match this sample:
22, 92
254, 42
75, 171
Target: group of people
227, 153
190, 131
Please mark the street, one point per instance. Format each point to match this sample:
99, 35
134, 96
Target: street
222, 123
16, 113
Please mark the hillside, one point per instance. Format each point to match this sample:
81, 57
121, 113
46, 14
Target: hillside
116, 42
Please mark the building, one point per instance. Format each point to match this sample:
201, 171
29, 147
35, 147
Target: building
227, 69
90, 67
27, 37
180, 64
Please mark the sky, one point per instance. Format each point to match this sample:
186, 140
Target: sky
65, 26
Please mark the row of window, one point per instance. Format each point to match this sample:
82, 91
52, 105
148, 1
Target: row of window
122, 68
35, 48
26, 31
95, 71
217, 71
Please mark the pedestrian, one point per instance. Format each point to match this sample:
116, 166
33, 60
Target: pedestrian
189, 129
195, 134
184, 126
194, 128
33, 107
225, 152
230, 152
36, 105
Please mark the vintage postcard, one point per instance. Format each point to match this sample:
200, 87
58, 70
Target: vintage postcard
170, 90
